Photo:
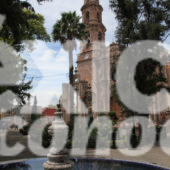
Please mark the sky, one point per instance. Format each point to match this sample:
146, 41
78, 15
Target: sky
48, 62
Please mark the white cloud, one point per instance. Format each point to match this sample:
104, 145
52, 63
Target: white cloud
53, 66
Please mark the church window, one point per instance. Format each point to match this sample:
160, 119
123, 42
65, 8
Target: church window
98, 17
87, 16
88, 41
86, 56
100, 36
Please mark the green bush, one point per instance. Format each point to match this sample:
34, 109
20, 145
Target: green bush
24, 130
113, 117
46, 138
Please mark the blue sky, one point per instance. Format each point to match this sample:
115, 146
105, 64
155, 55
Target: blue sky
48, 60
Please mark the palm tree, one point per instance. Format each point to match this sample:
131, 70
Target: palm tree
67, 30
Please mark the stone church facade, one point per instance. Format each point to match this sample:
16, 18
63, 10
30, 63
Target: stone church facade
92, 18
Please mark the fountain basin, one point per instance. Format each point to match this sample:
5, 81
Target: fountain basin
83, 164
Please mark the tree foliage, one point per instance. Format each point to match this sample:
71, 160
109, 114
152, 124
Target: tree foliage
141, 20
15, 19
66, 31
21, 23
69, 28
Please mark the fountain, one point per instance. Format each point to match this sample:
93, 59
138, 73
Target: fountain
58, 160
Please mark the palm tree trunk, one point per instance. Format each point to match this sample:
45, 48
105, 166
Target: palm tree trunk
71, 67
71, 81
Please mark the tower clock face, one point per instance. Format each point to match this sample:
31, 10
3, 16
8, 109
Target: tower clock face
86, 56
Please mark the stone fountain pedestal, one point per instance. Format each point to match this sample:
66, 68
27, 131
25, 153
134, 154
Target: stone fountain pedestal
58, 160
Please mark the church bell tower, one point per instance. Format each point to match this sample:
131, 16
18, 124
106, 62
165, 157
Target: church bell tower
92, 18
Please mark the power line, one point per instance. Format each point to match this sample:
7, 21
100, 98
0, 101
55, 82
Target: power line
33, 76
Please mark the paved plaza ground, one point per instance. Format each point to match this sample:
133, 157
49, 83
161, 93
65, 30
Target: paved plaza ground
155, 156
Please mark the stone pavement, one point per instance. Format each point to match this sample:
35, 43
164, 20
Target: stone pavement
12, 138
154, 156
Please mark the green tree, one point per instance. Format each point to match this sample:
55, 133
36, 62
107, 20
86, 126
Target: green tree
13, 10
32, 30
66, 31
21, 23
141, 20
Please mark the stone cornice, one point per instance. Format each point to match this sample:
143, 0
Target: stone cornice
96, 26
84, 60
90, 4
85, 52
